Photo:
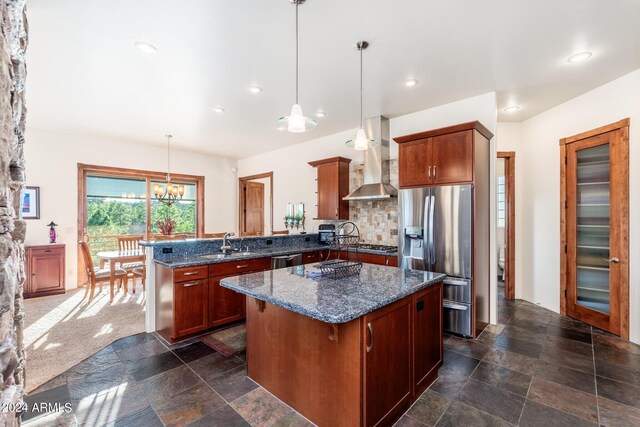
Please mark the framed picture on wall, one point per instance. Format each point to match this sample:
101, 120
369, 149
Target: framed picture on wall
30, 203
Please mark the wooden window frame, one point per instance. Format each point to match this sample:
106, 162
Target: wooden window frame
241, 183
623, 127
85, 170
510, 222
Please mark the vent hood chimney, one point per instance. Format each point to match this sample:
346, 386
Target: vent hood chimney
376, 164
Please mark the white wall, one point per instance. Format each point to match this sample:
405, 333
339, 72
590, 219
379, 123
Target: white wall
294, 179
51, 164
538, 186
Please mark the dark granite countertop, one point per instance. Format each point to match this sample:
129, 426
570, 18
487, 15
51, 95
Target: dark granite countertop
333, 300
190, 260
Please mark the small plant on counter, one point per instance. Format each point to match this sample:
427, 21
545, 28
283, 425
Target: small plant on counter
166, 225
288, 221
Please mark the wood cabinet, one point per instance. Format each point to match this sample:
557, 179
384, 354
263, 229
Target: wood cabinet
391, 261
380, 362
441, 156
427, 337
387, 386
225, 305
44, 270
191, 309
332, 185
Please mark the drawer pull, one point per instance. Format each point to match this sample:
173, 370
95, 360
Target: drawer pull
370, 347
191, 273
188, 285
242, 266
47, 250
453, 306
455, 282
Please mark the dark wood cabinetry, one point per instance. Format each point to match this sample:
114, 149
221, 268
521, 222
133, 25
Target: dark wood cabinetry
387, 386
44, 270
440, 156
427, 338
191, 308
332, 186
391, 261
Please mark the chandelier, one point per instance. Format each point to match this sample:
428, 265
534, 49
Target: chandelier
169, 192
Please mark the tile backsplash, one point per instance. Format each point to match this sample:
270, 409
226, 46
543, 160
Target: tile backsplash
376, 219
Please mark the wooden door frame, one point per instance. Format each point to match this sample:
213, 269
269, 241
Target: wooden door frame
241, 182
623, 127
510, 222
85, 170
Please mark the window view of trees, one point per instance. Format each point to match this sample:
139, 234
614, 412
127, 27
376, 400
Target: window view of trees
118, 206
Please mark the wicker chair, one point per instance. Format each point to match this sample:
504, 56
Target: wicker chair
98, 276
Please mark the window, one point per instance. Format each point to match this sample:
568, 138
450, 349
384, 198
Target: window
501, 202
117, 202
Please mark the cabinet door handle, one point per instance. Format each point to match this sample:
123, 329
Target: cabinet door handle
370, 346
188, 285
242, 266
386, 262
191, 273
429, 172
434, 172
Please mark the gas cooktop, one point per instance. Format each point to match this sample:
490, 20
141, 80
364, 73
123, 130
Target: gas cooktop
381, 248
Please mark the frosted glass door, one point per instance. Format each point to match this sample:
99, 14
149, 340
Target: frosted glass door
593, 228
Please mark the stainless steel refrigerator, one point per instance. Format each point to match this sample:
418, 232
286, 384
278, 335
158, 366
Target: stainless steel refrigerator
436, 233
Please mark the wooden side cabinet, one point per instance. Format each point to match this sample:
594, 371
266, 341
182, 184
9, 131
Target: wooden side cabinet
44, 270
332, 186
441, 156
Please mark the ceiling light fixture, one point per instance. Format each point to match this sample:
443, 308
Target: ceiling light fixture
296, 122
579, 57
361, 142
512, 109
321, 114
411, 83
145, 47
169, 193
255, 89
218, 110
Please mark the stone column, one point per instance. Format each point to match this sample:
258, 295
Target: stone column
13, 44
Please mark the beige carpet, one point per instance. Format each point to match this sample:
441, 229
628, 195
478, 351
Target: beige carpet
63, 330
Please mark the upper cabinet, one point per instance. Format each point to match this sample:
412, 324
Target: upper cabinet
333, 185
440, 156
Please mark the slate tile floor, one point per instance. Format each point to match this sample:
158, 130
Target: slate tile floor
535, 368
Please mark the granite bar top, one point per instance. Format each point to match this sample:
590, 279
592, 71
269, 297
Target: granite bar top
333, 300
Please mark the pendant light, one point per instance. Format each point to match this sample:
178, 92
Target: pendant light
296, 122
170, 192
361, 142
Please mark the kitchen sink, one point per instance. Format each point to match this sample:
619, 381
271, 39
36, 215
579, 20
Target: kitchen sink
215, 256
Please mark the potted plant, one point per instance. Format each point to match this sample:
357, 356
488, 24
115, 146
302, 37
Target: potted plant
166, 225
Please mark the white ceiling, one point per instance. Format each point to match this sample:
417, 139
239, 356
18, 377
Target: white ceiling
86, 76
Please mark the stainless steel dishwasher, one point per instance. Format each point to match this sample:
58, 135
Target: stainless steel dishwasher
286, 261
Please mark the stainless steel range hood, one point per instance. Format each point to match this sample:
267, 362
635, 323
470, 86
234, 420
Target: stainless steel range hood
376, 164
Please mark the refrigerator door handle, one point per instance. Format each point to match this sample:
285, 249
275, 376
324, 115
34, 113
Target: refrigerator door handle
432, 241
426, 245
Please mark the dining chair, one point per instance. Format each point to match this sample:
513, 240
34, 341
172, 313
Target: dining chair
140, 272
277, 232
130, 243
98, 276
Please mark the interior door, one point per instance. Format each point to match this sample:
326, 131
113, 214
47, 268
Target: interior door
597, 233
254, 209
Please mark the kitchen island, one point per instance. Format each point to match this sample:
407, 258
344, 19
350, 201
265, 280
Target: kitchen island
355, 351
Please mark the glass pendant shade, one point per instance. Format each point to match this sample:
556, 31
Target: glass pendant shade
296, 122
361, 142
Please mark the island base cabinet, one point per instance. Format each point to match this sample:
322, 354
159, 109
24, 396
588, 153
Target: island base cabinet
387, 363
361, 373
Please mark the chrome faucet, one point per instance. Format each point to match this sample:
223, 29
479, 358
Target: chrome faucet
226, 247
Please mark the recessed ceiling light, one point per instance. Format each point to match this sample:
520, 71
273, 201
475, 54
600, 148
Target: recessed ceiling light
579, 57
512, 109
145, 47
321, 114
411, 83
218, 109
255, 89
